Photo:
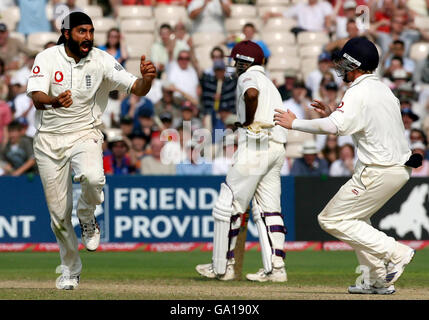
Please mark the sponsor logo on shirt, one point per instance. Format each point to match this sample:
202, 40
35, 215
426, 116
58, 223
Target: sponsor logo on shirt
340, 105
355, 192
119, 67
36, 69
59, 77
88, 81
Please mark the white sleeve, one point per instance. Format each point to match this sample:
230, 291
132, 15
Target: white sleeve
347, 117
245, 82
117, 77
39, 79
315, 126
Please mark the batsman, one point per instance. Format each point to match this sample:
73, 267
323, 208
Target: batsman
254, 175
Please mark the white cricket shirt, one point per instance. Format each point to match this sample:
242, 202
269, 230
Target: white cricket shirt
89, 81
370, 113
269, 99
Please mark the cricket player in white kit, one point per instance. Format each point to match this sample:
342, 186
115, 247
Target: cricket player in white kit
371, 114
69, 86
255, 173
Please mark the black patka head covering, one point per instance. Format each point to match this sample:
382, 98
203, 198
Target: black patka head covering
72, 20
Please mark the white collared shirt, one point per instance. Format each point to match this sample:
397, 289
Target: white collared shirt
269, 99
90, 81
370, 113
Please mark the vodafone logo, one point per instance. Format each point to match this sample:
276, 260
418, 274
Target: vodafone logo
36, 70
58, 76
340, 105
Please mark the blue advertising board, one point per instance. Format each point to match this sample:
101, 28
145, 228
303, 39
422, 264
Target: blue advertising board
136, 209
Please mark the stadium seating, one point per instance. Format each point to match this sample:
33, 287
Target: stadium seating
278, 38
419, 51
284, 50
260, 3
36, 41
10, 17
204, 38
278, 63
243, 11
234, 25
274, 9
307, 37
133, 66
295, 140
422, 22
135, 12
309, 51
137, 25
93, 11
279, 24
170, 14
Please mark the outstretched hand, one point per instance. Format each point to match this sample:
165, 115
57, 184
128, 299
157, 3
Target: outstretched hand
323, 109
147, 69
284, 118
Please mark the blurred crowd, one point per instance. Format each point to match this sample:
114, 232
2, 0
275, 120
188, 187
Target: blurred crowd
160, 134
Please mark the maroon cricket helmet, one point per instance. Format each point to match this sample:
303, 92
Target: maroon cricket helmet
248, 51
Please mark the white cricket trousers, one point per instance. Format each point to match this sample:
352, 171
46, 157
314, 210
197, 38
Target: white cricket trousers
347, 216
56, 155
255, 173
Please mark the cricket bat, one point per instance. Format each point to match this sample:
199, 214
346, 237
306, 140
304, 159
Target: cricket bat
241, 245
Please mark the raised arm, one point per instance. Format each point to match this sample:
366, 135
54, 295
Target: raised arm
148, 71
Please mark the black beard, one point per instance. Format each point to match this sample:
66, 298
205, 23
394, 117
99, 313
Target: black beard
74, 47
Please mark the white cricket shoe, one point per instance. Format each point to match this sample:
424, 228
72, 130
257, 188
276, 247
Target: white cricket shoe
90, 234
394, 271
65, 282
276, 275
367, 289
206, 270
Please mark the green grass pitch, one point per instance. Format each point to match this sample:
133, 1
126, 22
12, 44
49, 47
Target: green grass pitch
149, 275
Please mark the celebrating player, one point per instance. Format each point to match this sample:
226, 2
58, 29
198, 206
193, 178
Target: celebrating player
255, 173
69, 86
371, 114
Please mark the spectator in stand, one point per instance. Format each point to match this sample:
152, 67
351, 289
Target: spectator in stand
316, 15
22, 105
423, 170
183, 3
396, 31
184, 77
18, 152
153, 164
290, 77
352, 31
6, 117
349, 14
181, 33
216, 54
310, 164
194, 163
408, 117
115, 46
167, 48
33, 17
344, 166
166, 119
126, 124
10, 49
146, 126
314, 78
397, 49
418, 135
331, 98
218, 93
331, 149
249, 31
137, 150
209, 15
189, 112
167, 102
4, 82
299, 101
131, 105
327, 77
118, 162
60, 10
